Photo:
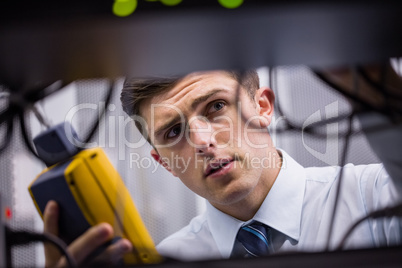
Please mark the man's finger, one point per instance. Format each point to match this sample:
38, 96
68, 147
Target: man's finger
51, 218
90, 241
50, 223
113, 253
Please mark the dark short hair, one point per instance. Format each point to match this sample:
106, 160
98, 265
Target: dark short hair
137, 90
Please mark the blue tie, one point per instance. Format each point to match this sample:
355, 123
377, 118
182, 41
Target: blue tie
255, 239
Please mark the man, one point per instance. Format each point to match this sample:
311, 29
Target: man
218, 120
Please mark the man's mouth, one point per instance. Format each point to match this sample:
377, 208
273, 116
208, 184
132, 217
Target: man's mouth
215, 166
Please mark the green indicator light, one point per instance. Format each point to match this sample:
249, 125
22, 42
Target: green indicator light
171, 2
123, 8
231, 3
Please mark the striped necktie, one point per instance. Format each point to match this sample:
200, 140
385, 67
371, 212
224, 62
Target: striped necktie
255, 239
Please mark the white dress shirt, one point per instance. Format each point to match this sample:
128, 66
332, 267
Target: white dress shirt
299, 208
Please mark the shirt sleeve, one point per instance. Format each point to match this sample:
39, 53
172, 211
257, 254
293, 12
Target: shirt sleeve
386, 142
379, 191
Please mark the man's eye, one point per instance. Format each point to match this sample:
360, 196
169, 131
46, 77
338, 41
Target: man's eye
174, 132
216, 106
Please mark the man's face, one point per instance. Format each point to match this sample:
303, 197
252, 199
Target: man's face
210, 133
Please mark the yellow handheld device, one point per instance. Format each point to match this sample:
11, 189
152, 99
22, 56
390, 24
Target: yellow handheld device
89, 191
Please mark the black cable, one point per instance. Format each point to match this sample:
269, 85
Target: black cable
25, 137
399, 66
384, 110
242, 74
381, 213
312, 128
393, 109
9, 125
380, 87
95, 125
365, 104
19, 101
24, 129
342, 164
291, 125
340, 179
15, 238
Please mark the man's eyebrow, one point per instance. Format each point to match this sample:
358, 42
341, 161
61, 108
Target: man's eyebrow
167, 125
194, 105
203, 98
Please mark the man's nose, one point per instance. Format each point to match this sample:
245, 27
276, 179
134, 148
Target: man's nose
201, 136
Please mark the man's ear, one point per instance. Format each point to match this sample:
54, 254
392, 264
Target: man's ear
265, 99
159, 159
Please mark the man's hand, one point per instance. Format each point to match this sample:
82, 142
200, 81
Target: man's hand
84, 245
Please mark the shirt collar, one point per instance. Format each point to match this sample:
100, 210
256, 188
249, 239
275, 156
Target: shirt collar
280, 210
